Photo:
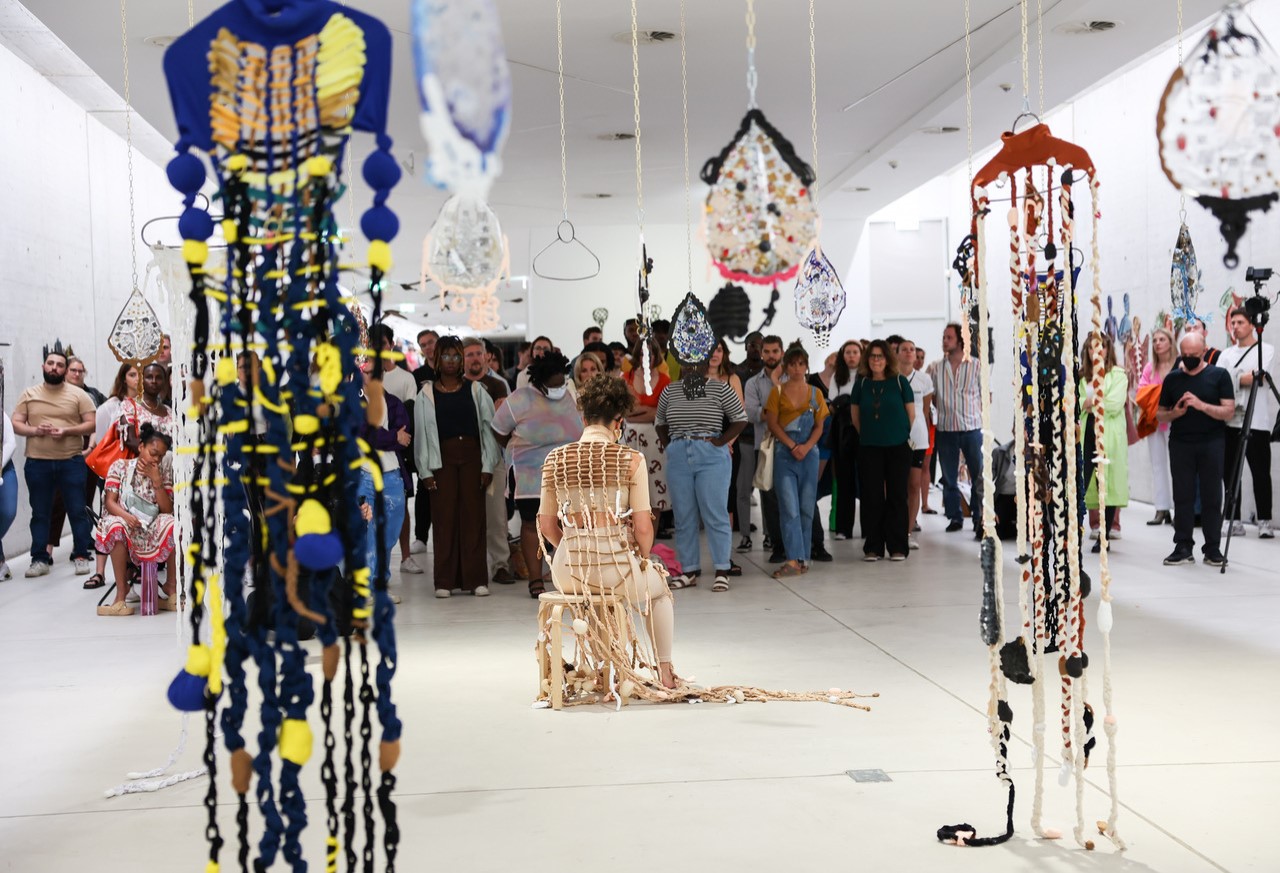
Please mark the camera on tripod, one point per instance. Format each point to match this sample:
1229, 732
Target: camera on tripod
1257, 307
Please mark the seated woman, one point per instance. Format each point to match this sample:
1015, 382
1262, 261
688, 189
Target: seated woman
138, 523
594, 509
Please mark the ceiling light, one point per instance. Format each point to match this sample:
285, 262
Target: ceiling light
941, 129
1084, 28
647, 37
620, 136
855, 189
160, 41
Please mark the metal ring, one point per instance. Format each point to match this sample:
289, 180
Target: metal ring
560, 228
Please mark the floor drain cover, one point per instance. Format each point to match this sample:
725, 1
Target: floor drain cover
868, 775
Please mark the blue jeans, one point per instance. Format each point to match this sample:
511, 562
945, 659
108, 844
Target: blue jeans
68, 477
8, 503
698, 477
796, 485
393, 500
949, 444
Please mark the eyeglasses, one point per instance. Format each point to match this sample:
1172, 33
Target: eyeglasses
76, 370
875, 356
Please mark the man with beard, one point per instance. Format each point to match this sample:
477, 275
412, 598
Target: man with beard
55, 417
747, 442
475, 368
757, 390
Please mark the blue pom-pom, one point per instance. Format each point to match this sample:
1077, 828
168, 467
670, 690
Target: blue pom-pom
380, 222
186, 173
186, 692
381, 171
195, 224
318, 551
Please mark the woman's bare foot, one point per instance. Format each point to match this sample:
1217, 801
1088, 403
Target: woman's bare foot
667, 675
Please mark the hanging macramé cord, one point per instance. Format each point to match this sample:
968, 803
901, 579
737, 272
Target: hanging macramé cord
1052, 585
566, 233
276, 153
1216, 124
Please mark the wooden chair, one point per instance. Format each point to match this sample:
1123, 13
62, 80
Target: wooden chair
550, 643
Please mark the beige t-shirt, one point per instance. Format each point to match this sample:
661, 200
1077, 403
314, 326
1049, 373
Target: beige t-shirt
61, 406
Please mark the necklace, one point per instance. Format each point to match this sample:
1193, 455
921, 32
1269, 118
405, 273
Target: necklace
440, 387
876, 396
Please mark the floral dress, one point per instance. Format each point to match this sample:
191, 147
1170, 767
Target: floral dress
153, 542
134, 413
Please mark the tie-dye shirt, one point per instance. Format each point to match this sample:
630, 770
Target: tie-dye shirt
537, 425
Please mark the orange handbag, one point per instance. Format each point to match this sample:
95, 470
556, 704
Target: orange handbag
109, 450
1147, 400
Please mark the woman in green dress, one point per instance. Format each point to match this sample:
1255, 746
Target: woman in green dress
1115, 438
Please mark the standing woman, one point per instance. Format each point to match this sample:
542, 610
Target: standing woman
585, 368
1115, 394
794, 414
844, 438
720, 368
456, 455
638, 430
537, 418
883, 410
1162, 361
390, 440
147, 408
697, 419
922, 388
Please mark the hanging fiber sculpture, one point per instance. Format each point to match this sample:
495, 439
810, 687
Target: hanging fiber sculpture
730, 312
135, 336
1184, 278
1052, 585
271, 91
464, 87
1217, 125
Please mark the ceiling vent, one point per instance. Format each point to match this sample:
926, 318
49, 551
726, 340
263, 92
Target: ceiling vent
1084, 28
620, 136
647, 37
940, 130
600, 195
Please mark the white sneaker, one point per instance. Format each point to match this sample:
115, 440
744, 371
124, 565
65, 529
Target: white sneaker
1237, 528
481, 591
37, 568
82, 566
1093, 533
417, 547
5, 572
442, 593
411, 565
911, 542
132, 596
1113, 534
1264, 533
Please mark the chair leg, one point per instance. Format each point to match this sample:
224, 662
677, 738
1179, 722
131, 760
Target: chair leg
557, 657
544, 661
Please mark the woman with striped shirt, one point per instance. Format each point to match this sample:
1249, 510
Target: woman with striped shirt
697, 419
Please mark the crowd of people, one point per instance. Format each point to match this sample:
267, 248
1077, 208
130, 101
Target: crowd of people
464, 445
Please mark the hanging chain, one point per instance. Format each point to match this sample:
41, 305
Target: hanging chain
813, 90
968, 94
635, 94
1026, 78
684, 106
564, 171
751, 54
1182, 196
1040, 43
191, 14
128, 139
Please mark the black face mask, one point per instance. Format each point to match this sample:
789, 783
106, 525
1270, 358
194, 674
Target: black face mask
1190, 362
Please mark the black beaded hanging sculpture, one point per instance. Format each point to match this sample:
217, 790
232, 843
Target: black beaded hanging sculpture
1218, 125
271, 93
1040, 172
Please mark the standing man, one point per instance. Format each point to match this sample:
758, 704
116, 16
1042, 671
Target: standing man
1211, 354
956, 382
1196, 400
76, 373
922, 388
427, 340
1241, 360
591, 335
747, 370
55, 417
475, 368
427, 345
757, 391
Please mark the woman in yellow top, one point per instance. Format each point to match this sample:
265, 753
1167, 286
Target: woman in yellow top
794, 414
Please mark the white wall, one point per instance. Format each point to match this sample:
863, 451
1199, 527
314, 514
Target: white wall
64, 237
1115, 122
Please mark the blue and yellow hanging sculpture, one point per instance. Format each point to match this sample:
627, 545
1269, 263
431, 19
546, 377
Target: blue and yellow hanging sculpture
270, 91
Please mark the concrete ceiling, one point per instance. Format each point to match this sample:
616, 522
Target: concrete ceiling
885, 72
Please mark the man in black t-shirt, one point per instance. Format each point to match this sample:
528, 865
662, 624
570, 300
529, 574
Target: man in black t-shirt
1196, 400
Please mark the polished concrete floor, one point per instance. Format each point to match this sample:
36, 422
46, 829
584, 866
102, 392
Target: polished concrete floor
488, 783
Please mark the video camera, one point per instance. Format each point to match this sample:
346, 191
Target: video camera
1257, 307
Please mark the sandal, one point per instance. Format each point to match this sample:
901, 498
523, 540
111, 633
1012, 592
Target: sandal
684, 580
120, 608
734, 570
787, 570
721, 583
537, 588
94, 581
